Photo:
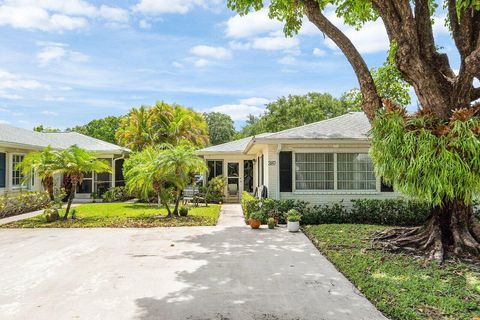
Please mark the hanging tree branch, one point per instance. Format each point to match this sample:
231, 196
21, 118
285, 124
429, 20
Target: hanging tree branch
371, 100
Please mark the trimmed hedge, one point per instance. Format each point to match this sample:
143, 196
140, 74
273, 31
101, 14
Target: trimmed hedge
396, 212
18, 203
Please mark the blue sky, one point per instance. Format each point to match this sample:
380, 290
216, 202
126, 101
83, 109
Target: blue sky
64, 63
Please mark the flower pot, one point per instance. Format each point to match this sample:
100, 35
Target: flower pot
255, 224
271, 226
293, 226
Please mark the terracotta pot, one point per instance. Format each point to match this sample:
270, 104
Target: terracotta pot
255, 224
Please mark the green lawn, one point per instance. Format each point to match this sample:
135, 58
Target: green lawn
401, 286
124, 215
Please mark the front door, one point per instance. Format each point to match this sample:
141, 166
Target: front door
233, 182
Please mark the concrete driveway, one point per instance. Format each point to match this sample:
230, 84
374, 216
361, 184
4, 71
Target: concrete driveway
197, 273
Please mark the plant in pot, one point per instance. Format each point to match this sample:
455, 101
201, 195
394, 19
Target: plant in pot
271, 223
256, 219
293, 220
183, 211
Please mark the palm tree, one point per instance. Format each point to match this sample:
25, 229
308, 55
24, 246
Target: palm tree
181, 163
134, 131
75, 162
43, 163
144, 175
162, 123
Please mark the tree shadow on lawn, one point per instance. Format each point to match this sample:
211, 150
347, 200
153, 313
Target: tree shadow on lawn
239, 273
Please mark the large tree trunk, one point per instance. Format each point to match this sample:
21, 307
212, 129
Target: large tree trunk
450, 231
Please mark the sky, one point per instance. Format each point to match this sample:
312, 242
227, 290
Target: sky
66, 62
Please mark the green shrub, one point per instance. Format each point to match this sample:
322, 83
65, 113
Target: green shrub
293, 215
249, 204
258, 215
183, 211
396, 212
333, 213
214, 191
115, 194
18, 203
271, 223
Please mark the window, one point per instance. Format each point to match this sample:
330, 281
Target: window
215, 168
314, 171
17, 175
355, 172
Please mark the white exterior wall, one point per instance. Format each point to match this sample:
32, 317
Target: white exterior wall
316, 197
9, 188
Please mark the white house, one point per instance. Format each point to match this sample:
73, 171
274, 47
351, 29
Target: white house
15, 143
322, 162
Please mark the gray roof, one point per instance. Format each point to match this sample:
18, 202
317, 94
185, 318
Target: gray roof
353, 125
58, 140
237, 146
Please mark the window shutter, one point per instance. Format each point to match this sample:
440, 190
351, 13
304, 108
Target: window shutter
285, 172
3, 171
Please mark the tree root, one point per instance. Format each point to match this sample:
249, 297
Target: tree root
432, 241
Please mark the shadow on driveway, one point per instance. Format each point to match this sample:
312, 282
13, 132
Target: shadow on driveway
238, 273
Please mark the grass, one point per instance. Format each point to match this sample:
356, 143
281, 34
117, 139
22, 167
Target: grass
401, 286
124, 215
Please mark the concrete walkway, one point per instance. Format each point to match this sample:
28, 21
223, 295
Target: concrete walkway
225, 272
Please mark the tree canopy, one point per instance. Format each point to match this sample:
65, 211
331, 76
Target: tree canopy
294, 110
221, 127
161, 123
103, 129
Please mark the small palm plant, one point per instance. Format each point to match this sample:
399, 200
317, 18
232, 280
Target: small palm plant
43, 163
156, 168
181, 163
75, 162
144, 175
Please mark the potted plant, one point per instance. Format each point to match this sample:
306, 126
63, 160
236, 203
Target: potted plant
256, 219
271, 223
293, 220
183, 211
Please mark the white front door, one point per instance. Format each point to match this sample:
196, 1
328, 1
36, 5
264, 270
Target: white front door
234, 181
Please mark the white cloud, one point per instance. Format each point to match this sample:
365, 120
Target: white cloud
255, 101
245, 107
158, 7
4, 122
113, 14
253, 24
49, 113
177, 65
8, 96
55, 15
56, 52
144, 24
275, 43
288, 60
10, 81
238, 45
371, 38
49, 54
309, 29
211, 52
51, 98
319, 52
238, 111
439, 26
200, 63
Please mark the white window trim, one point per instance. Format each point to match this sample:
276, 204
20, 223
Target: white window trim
335, 178
13, 186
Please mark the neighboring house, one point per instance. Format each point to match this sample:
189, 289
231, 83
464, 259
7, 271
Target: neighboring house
15, 143
322, 162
